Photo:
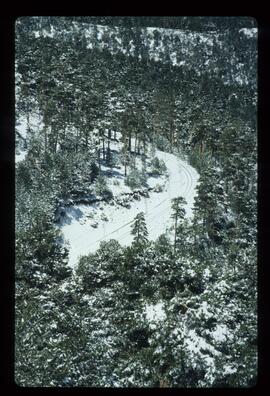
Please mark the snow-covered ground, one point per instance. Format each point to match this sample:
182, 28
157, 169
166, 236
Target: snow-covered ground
20, 156
22, 127
114, 221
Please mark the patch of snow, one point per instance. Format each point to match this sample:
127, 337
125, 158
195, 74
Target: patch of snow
194, 343
191, 272
249, 32
64, 286
229, 369
204, 310
155, 312
239, 80
46, 33
21, 127
221, 333
100, 32
173, 58
20, 156
222, 286
35, 124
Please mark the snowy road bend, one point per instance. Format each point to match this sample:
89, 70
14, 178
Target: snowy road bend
114, 221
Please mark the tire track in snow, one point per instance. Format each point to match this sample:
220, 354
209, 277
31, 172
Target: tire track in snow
189, 184
186, 193
188, 188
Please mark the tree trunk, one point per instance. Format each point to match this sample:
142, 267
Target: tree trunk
163, 383
28, 122
135, 143
86, 140
175, 228
171, 137
144, 146
129, 142
64, 133
202, 147
99, 164
226, 185
56, 141
45, 138
138, 146
77, 138
103, 147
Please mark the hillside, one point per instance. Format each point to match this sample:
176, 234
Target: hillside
136, 202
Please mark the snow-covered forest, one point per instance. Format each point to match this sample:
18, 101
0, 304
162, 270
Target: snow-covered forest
136, 202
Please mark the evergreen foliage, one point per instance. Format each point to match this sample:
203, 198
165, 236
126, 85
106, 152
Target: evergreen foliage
139, 230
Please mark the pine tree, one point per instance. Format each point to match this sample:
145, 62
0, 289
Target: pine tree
178, 214
139, 230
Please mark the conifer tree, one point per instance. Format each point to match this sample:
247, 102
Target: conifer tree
139, 230
178, 214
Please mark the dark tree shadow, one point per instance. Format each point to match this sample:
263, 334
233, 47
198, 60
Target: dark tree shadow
73, 214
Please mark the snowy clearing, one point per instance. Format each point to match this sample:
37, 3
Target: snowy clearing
113, 221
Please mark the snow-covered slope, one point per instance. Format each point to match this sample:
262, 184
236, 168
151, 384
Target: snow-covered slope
83, 238
203, 52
